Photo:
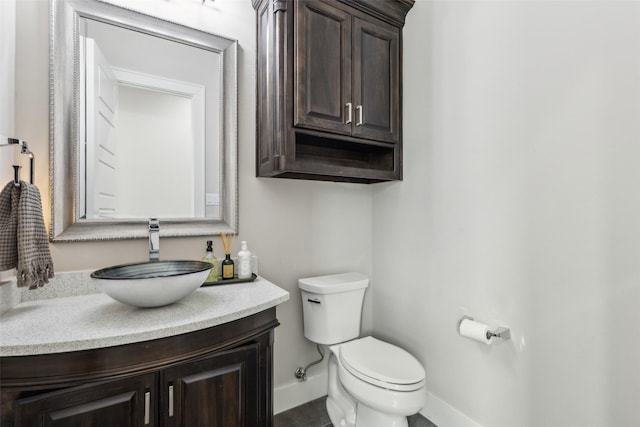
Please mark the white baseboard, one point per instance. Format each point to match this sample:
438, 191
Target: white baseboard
297, 393
443, 414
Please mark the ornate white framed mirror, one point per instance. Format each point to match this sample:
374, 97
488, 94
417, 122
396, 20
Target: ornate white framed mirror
143, 119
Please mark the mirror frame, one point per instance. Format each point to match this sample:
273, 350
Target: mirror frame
65, 16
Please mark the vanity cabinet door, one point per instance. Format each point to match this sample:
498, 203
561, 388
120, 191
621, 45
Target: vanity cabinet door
126, 402
218, 391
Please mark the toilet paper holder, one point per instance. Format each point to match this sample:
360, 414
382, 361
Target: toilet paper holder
499, 332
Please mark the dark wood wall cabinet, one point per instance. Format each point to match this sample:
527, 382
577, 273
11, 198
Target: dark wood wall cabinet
329, 89
215, 377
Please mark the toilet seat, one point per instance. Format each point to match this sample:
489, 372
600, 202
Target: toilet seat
382, 364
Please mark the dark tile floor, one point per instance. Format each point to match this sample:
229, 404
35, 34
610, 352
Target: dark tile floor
314, 414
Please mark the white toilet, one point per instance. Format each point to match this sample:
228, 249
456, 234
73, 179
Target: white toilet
371, 383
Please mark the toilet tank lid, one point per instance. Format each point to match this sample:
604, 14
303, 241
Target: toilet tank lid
334, 283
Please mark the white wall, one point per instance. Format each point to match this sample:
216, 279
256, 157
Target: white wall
520, 206
7, 80
297, 228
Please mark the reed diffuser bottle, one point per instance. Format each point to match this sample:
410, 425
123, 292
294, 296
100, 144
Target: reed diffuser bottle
228, 267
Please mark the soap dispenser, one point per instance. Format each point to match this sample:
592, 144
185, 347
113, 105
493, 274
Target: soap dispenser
244, 262
211, 258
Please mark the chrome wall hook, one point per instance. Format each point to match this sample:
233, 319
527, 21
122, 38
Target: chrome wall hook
16, 175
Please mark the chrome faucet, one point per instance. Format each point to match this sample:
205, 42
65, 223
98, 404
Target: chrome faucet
154, 239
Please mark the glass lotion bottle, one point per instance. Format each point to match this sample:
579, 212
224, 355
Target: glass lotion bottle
211, 258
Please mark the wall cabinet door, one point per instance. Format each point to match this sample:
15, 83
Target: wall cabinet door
218, 391
347, 72
323, 67
128, 402
376, 80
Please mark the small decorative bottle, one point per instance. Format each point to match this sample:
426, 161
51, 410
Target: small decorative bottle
244, 262
228, 268
211, 258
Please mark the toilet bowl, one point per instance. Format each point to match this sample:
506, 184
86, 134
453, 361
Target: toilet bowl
386, 382
372, 383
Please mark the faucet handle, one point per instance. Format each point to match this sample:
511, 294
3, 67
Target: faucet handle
154, 239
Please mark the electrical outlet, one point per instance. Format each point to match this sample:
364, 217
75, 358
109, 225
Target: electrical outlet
212, 199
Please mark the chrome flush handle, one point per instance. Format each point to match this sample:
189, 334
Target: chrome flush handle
359, 110
349, 108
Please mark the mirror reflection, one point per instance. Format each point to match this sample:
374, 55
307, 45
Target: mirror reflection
147, 148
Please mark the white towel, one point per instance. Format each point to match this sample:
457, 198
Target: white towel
24, 243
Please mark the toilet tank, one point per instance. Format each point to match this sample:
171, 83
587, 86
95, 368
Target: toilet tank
332, 306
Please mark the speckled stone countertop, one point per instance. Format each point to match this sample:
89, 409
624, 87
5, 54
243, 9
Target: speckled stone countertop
89, 320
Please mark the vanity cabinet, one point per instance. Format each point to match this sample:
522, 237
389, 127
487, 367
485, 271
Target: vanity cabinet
329, 89
215, 377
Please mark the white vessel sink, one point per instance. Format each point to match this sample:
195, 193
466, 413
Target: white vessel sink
152, 283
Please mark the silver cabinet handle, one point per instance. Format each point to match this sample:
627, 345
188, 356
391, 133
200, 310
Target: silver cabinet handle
171, 400
147, 407
359, 110
349, 113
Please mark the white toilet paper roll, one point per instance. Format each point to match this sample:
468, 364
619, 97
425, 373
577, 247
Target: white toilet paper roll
475, 330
